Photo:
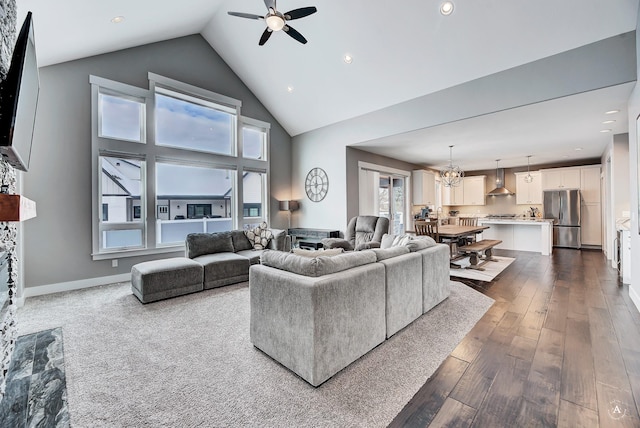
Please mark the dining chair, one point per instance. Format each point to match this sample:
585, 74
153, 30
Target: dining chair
467, 221
428, 228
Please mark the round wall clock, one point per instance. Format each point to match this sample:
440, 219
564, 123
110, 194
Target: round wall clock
316, 184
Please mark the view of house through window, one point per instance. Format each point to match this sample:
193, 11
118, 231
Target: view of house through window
199, 201
121, 187
205, 164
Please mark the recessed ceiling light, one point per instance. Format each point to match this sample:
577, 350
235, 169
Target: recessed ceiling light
289, 88
446, 8
578, 149
612, 112
348, 59
565, 156
605, 130
117, 19
608, 121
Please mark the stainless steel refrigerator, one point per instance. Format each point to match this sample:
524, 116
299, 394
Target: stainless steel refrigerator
563, 206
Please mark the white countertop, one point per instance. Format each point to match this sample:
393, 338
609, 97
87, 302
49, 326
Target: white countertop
524, 221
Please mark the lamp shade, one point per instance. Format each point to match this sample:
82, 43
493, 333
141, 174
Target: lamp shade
289, 205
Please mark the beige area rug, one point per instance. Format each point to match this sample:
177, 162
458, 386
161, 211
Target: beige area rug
491, 269
188, 362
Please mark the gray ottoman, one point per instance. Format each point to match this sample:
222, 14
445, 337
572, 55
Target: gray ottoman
162, 279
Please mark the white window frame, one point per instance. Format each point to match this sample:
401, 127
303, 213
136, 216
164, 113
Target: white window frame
151, 153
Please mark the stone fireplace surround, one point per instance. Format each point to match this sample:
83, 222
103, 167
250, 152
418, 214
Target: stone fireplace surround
8, 231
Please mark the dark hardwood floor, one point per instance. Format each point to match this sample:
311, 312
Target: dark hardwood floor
559, 347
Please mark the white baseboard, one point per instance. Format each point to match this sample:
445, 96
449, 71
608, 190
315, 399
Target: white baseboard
635, 297
72, 285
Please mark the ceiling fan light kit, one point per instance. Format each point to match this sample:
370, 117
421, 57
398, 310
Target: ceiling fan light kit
277, 21
452, 175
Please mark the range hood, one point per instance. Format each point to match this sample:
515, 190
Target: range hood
500, 190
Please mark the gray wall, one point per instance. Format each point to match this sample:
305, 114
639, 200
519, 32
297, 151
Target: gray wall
57, 242
353, 157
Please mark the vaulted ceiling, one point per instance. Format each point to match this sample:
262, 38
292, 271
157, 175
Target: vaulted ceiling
401, 51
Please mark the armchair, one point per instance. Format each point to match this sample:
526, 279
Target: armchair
364, 231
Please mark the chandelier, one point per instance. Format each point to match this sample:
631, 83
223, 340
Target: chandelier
451, 175
528, 178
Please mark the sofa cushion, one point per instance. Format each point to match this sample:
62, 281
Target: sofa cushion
223, 269
318, 253
240, 241
199, 244
251, 254
337, 243
278, 240
317, 266
389, 240
387, 253
260, 236
417, 244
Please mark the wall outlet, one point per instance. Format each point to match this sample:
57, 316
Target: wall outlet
114, 263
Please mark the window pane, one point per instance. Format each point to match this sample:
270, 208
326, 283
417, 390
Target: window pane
121, 187
187, 125
121, 118
253, 194
253, 143
191, 200
121, 238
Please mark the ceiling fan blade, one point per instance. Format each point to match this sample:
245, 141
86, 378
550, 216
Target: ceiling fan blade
265, 36
245, 15
300, 13
293, 33
271, 4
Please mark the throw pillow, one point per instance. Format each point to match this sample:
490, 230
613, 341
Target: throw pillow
421, 243
337, 243
260, 236
317, 253
389, 241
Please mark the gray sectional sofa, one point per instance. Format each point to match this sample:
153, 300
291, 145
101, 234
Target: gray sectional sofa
212, 260
317, 315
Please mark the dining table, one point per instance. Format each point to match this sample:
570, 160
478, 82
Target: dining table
450, 233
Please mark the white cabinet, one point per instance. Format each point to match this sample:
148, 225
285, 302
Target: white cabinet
529, 193
561, 178
591, 224
590, 184
453, 195
474, 190
424, 187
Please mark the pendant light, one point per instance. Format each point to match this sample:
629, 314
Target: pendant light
451, 175
528, 178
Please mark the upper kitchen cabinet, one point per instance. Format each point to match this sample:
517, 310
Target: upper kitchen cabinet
424, 187
529, 193
590, 187
474, 190
453, 195
560, 178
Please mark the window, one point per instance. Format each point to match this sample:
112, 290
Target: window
121, 117
186, 150
193, 124
254, 141
120, 189
202, 196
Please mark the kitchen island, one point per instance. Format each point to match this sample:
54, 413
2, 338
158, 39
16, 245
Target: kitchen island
521, 234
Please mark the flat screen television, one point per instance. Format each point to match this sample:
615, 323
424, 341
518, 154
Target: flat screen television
19, 100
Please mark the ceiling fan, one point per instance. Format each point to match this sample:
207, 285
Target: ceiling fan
277, 21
